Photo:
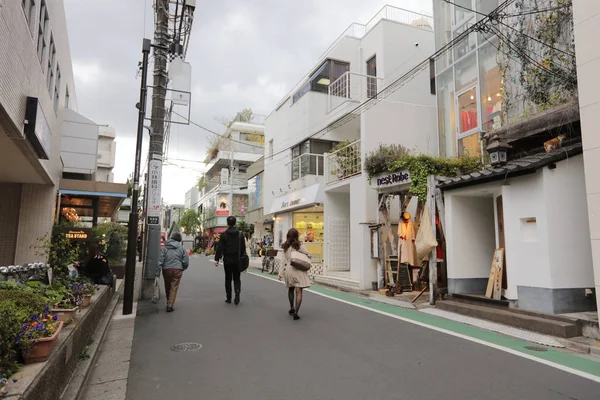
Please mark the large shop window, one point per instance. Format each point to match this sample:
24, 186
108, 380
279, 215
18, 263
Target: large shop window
467, 106
327, 73
466, 45
466, 72
446, 116
311, 228
491, 87
443, 32
469, 146
461, 10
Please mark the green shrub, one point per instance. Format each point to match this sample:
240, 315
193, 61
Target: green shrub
380, 160
16, 306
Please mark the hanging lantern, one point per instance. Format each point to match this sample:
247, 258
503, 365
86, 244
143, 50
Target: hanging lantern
498, 151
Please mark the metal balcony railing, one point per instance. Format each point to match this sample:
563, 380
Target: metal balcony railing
343, 163
352, 86
306, 164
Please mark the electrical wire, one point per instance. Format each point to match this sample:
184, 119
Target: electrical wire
532, 12
498, 20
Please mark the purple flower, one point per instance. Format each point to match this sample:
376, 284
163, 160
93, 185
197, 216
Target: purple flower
55, 318
46, 309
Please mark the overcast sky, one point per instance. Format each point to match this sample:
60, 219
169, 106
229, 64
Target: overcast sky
243, 54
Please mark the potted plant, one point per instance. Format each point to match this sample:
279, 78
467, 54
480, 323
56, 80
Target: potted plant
346, 159
38, 336
85, 290
65, 309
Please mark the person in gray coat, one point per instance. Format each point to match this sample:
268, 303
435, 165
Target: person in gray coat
173, 260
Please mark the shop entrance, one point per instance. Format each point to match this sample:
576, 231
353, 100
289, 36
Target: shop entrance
310, 225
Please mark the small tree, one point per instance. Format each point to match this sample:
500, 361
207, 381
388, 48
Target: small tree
201, 183
189, 222
246, 115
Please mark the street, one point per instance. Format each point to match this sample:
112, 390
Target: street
336, 351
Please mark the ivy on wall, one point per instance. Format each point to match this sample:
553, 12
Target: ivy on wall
537, 57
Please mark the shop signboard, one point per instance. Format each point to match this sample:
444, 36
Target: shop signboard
77, 234
299, 199
222, 208
390, 180
37, 129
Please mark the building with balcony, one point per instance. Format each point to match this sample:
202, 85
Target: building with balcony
226, 184
255, 213
319, 135
507, 93
107, 152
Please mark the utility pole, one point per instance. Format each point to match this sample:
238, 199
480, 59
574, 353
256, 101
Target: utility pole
157, 128
133, 212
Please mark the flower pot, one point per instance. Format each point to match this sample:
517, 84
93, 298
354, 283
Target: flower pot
86, 301
41, 348
64, 314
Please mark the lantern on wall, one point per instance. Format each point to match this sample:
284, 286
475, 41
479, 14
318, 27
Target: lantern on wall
498, 151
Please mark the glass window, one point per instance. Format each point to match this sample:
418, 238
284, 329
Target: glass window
372, 82
57, 89
327, 73
462, 13
467, 107
42, 31
469, 146
67, 98
466, 72
443, 31
485, 7
311, 228
491, 88
466, 45
446, 117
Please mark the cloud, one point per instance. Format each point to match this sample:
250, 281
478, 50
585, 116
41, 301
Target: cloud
243, 55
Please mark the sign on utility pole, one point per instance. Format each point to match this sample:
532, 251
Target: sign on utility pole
154, 193
224, 176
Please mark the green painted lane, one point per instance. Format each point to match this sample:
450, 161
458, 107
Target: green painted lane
572, 361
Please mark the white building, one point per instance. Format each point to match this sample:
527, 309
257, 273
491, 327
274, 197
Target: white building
36, 85
226, 191
327, 201
191, 198
534, 206
586, 18
107, 152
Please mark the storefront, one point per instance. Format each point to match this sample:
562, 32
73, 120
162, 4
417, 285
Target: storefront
393, 237
302, 210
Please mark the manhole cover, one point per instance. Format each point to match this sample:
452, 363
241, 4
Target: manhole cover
186, 347
536, 348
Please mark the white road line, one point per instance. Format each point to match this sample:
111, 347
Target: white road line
459, 335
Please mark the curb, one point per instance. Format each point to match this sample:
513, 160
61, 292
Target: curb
76, 388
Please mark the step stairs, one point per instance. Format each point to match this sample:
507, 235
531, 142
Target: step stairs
547, 324
339, 280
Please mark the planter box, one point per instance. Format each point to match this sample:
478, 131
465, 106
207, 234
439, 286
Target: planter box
41, 348
64, 314
118, 269
86, 301
47, 380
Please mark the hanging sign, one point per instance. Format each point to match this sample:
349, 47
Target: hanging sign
180, 75
79, 234
154, 194
385, 181
224, 176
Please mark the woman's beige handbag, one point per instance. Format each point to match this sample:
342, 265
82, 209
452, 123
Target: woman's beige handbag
300, 261
426, 240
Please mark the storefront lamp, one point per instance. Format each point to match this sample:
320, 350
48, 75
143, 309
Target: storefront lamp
497, 149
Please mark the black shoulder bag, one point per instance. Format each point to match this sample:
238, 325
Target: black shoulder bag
244, 259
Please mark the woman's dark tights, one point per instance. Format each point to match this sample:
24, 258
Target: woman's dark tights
298, 298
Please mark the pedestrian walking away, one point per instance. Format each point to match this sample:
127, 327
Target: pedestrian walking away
173, 260
296, 280
231, 249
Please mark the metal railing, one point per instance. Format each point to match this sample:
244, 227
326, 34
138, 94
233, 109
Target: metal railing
306, 164
352, 86
343, 163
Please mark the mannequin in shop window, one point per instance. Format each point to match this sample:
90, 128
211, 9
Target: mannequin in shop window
406, 240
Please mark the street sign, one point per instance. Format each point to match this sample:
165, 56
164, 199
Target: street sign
224, 176
154, 194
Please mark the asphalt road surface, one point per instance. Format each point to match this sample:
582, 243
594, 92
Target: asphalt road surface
336, 351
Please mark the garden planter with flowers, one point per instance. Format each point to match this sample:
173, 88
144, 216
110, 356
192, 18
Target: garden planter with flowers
84, 290
67, 307
38, 336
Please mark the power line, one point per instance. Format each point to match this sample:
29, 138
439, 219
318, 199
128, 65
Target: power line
536, 11
498, 20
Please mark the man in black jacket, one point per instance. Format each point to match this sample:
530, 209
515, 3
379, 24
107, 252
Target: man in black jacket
231, 249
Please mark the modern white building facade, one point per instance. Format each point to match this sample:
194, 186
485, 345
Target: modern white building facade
306, 186
36, 85
107, 153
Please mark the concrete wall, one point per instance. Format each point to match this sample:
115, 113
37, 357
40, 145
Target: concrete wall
569, 246
471, 241
79, 145
586, 18
336, 205
10, 200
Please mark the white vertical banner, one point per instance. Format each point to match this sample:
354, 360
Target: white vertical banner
180, 74
154, 193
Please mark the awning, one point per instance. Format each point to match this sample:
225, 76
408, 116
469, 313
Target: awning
299, 199
90, 198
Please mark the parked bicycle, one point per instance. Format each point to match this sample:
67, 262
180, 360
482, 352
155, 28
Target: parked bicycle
270, 262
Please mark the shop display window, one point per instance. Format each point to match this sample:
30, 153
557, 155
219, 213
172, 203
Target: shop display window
467, 106
466, 45
491, 87
469, 146
311, 228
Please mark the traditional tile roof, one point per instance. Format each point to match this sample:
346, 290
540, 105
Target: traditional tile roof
511, 169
